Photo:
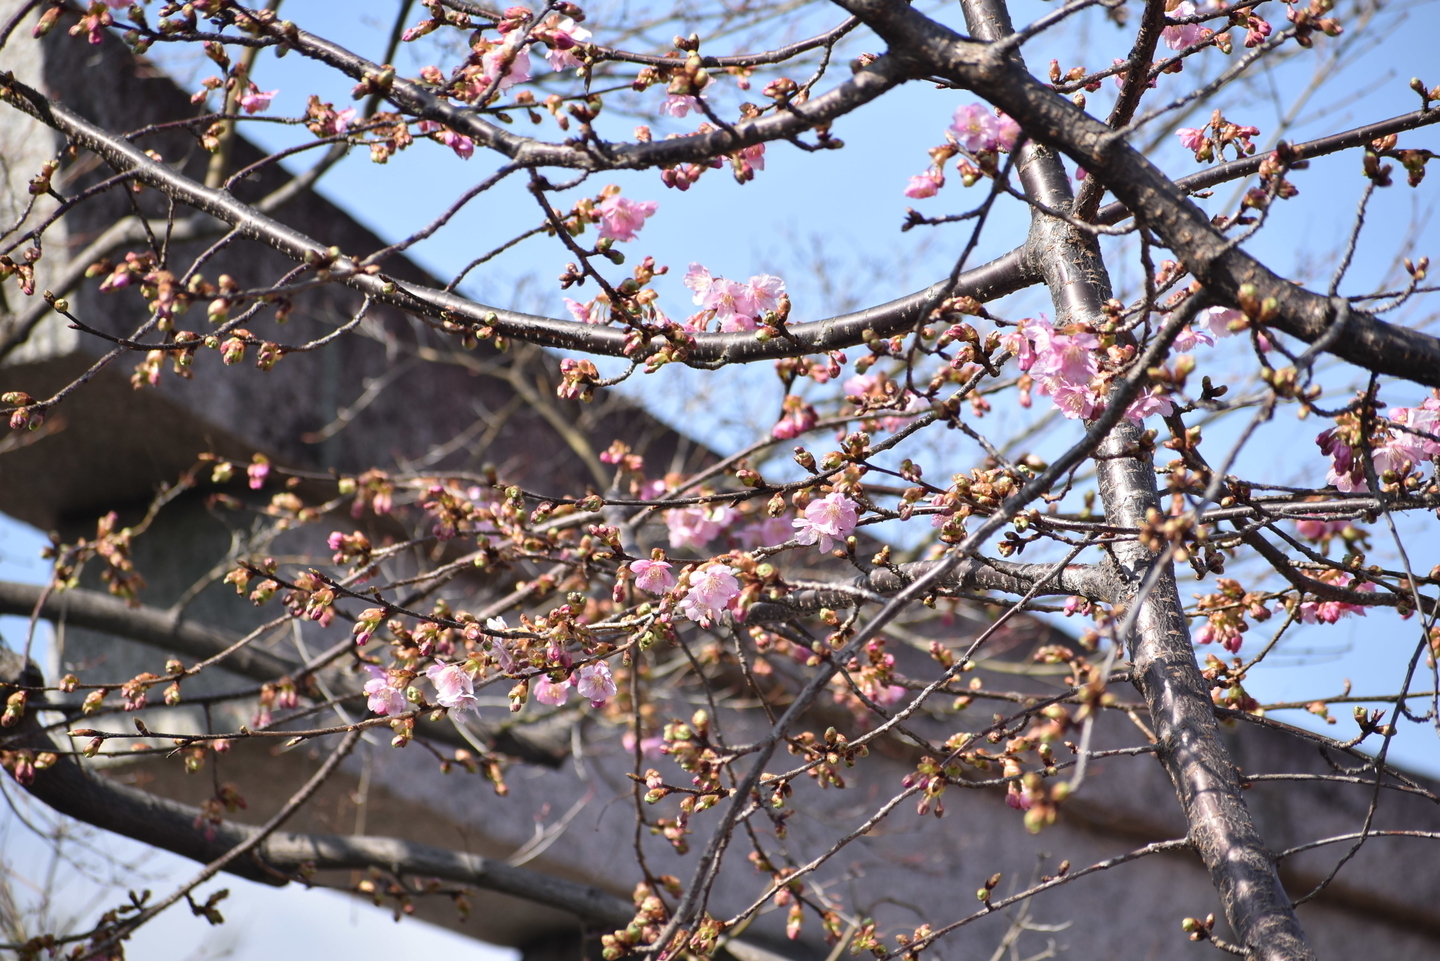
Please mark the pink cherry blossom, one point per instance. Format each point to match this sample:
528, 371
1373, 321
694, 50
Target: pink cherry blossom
1180, 37
679, 105
753, 155
518, 70
563, 35
1067, 357
620, 218
549, 692
652, 576
1075, 401
383, 698
341, 122
1191, 138
591, 313
699, 280
1217, 320
798, 418
1313, 530
463, 146
925, 185
765, 292
453, 687
257, 472
595, 682
651, 747
826, 520
975, 128
1147, 405
697, 526
1188, 337
1328, 612
712, 587
735, 305
498, 647
256, 100
1425, 418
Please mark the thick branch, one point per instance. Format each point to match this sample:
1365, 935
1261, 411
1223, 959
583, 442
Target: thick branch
1004, 275
1165, 670
972, 573
1152, 197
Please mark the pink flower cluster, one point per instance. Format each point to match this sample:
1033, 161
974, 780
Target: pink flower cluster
1328, 612
621, 219
712, 588
382, 696
734, 305
925, 185
562, 35
453, 687
255, 100
1180, 36
1399, 452
697, 526
1063, 364
826, 520
976, 129
796, 418
592, 681
514, 60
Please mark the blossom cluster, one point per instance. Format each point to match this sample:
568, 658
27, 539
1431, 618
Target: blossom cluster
1066, 367
1410, 439
733, 305
977, 131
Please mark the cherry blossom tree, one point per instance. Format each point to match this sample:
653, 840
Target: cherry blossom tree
1162, 350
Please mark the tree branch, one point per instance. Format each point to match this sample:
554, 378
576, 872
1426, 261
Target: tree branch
542, 743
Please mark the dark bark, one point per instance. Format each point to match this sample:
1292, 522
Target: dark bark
1165, 670
1152, 198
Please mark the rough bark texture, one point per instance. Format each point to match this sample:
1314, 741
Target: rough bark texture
1166, 672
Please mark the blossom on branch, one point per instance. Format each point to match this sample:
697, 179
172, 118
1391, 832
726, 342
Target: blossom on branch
255, 100
621, 219
1180, 36
926, 184
652, 576
382, 696
553, 693
712, 588
505, 56
829, 519
562, 35
463, 146
453, 687
734, 305
975, 128
596, 683
697, 526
